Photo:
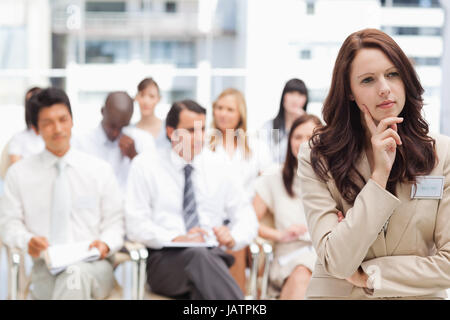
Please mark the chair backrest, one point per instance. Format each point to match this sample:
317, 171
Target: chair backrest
4, 161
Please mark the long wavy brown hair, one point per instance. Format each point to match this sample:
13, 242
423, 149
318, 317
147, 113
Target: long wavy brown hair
336, 148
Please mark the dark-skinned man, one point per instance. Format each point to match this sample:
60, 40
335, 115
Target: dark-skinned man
114, 140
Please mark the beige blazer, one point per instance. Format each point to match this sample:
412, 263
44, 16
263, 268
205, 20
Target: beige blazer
412, 260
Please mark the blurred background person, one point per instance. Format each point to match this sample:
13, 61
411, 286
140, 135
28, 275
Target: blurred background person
113, 140
278, 194
24, 143
247, 157
148, 97
179, 195
294, 102
52, 198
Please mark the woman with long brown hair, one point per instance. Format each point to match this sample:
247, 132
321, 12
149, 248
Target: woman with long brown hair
278, 194
376, 162
293, 104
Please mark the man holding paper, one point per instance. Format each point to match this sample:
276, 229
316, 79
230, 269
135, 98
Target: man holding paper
185, 207
63, 197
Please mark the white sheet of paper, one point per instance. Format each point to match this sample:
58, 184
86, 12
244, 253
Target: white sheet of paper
59, 257
189, 244
210, 241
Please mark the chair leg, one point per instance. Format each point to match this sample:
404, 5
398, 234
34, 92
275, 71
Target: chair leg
253, 290
14, 276
135, 258
143, 255
268, 253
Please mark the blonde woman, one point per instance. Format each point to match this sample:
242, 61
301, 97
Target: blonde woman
231, 145
230, 141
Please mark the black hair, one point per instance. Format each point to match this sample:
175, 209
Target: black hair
173, 116
290, 86
32, 91
45, 99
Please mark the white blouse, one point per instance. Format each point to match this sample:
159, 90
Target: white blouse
247, 170
25, 143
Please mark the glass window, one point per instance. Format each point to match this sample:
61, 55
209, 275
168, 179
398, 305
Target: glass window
179, 53
305, 54
416, 31
171, 6
105, 6
416, 3
13, 53
426, 61
107, 51
310, 7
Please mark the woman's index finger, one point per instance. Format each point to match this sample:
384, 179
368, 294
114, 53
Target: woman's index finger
369, 121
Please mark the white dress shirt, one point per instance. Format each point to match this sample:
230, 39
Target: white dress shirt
97, 143
97, 205
247, 170
25, 143
154, 200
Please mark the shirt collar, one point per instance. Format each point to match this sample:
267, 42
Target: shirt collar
49, 159
179, 163
101, 134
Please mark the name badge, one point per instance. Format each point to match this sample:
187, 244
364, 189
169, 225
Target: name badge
428, 187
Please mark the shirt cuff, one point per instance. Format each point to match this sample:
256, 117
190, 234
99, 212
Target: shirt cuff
23, 241
239, 242
113, 245
163, 238
395, 201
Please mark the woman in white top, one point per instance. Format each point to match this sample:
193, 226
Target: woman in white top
148, 97
230, 141
232, 147
278, 193
293, 104
26, 142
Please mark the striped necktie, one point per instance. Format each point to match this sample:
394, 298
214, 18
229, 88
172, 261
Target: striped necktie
189, 205
59, 232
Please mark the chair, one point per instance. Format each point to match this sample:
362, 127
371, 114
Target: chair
19, 282
264, 268
251, 280
265, 261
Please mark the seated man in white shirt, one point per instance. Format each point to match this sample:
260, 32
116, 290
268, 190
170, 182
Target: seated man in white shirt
62, 196
113, 140
182, 195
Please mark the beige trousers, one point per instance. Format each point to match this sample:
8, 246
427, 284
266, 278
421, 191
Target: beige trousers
81, 281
